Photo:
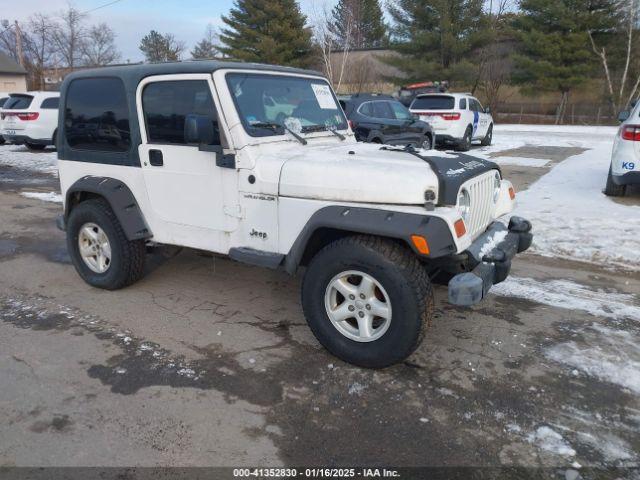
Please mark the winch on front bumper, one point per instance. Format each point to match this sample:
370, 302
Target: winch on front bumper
490, 258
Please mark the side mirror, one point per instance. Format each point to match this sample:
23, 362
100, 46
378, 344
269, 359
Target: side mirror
624, 115
487, 110
198, 129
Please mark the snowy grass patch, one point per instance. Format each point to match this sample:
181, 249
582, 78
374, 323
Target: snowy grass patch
571, 296
44, 196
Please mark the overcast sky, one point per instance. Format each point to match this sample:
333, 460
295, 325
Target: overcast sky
132, 19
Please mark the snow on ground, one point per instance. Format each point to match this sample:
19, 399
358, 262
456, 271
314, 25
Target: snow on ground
19, 156
44, 196
548, 439
605, 353
571, 216
571, 296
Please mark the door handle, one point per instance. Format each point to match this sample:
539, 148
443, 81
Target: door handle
155, 158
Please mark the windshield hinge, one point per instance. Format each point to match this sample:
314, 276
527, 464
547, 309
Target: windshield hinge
234, 211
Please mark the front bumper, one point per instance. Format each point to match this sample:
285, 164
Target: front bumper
22, 139
491, 260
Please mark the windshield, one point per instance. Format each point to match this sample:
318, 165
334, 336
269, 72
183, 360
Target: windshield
18, 102
434, 102
267, 102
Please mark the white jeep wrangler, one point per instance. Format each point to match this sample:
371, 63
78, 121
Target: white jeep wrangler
258, 162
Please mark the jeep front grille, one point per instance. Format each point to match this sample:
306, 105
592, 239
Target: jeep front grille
481, 189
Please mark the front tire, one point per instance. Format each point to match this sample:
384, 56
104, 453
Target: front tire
99, 248
465, 143
367, 300
427, 143
611, 189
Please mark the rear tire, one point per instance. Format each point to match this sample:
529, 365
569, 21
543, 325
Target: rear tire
406, 290
613, 190
127, 258
486, 141
465, 143
37, 147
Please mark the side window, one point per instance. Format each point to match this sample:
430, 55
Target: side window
463, 104
50, 103
366, 109
167, 104
96, 115
400, 111
478, 105
382, 110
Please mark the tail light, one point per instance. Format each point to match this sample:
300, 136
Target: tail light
631, 132
28, 116
445, 116
352, 125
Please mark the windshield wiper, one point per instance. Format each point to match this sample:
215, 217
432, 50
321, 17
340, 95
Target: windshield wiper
273, 126
323, 128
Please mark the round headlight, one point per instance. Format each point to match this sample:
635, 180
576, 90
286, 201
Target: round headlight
464, 204
496, 189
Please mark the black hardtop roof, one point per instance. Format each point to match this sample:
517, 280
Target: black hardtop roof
133, 74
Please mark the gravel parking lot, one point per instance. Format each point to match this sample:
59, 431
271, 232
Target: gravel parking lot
209, 362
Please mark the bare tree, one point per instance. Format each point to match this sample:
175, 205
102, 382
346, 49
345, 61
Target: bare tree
38, 46
8, 39
99, 46
70, 35
208, 46
335, 71
623, 89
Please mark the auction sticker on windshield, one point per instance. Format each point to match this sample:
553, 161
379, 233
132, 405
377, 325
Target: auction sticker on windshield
324, 96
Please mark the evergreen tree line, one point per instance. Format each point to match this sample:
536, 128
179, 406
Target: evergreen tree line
540, 45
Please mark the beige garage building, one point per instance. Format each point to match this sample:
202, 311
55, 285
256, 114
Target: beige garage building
13, 77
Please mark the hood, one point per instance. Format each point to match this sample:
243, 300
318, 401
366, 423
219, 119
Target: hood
356, 172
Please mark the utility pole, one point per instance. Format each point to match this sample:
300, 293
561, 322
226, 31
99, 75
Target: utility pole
19, 44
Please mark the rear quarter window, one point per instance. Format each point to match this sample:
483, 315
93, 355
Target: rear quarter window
50, 103
434, 102
18, 102
96, 115
2, 101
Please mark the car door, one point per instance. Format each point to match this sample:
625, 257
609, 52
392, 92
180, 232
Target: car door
184, 185
389, 126
411, 129
484, 120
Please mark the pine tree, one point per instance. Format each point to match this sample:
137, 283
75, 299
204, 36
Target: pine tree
554, 53
206, 48
437, 38
161, 48
358, 24
267, 31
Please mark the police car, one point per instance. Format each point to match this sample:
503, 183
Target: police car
456, 118
625, 159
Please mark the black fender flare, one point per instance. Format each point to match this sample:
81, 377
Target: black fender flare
120, 198
369, 221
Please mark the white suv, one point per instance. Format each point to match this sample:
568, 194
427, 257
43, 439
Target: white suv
625, 159
257, 162
456, 118
30, 119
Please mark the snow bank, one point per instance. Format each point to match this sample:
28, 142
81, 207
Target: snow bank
20, 157
571, 296
44, 196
